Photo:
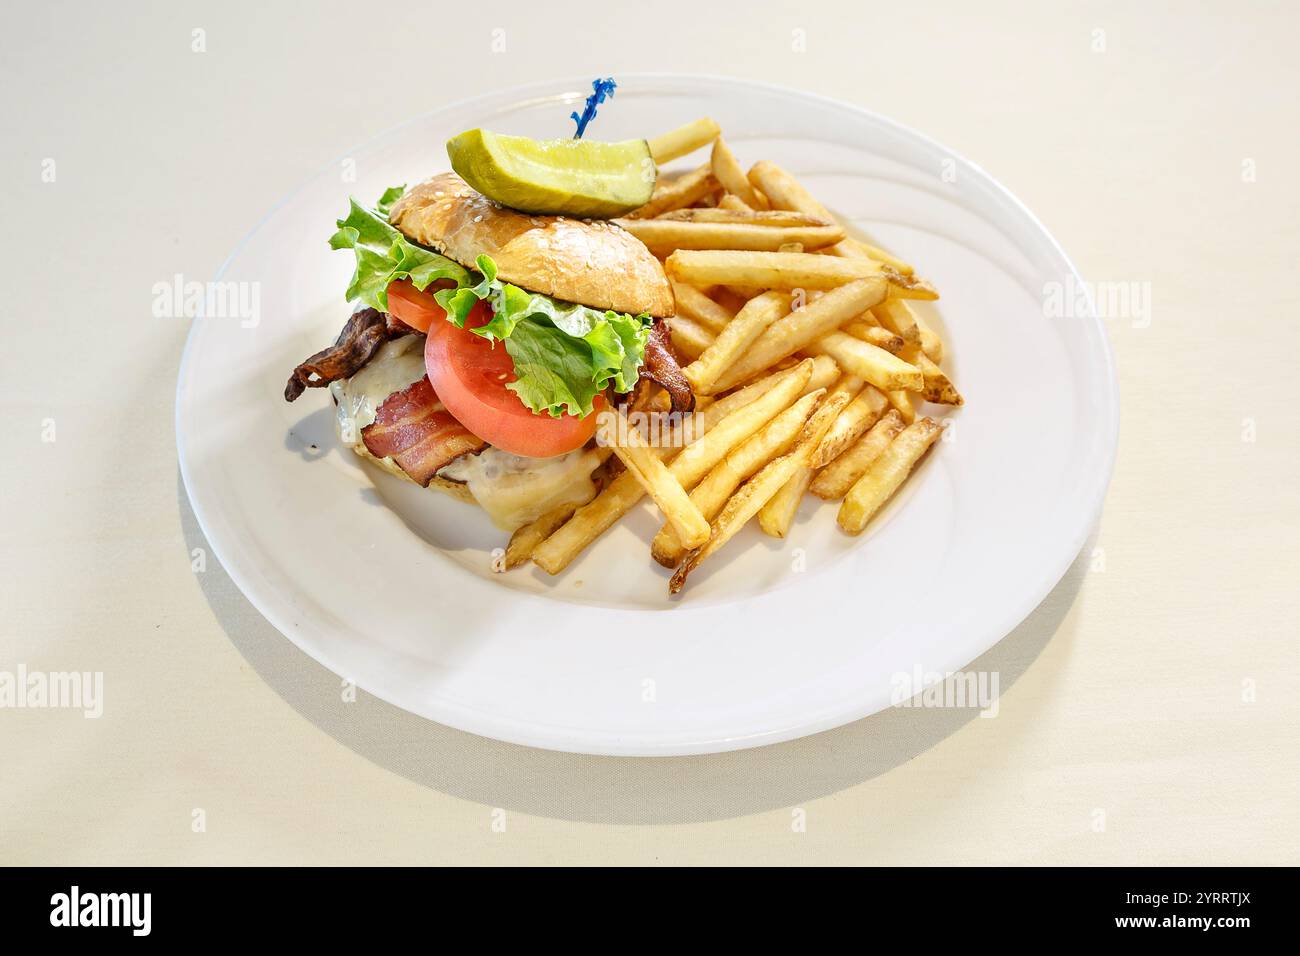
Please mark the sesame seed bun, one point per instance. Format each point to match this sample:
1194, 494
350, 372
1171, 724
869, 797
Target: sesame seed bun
591, 262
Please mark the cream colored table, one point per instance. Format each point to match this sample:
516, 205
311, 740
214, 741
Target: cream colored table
1149, 707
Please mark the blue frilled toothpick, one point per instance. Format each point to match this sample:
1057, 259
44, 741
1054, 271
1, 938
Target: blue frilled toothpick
600, 90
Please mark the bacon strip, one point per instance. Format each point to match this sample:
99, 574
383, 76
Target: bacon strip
366, 330
416, 430
661, 368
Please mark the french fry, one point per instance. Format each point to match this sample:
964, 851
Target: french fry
618, 497
685, 190
807, 325
731, 299
690, 338
825, 374
734, 203
931, 344
526, 539
834, 481
694, 304
683, 140
750, 322
897, 316
886, 474
857, 248
651, 473
767, 270
756, 492
786, 192
858, 415
729, 212
663, 236
885, 371
901, 399
728, 172
876, 335
713, 490
908, 286
775, 517
697, 458
938, 387
848, 385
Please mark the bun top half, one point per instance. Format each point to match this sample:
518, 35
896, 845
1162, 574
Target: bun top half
594, 263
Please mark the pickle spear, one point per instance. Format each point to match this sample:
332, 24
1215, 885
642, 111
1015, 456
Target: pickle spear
565, 177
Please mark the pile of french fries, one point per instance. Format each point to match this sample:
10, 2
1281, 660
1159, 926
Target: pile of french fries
805, 357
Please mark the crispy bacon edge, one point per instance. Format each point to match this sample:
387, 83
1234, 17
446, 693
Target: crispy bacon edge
415, 429
365, 331
661, 367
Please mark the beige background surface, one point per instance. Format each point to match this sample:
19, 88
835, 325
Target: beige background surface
1149, 708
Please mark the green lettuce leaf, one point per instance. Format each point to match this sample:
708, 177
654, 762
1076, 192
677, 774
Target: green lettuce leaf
385, 255
564, 354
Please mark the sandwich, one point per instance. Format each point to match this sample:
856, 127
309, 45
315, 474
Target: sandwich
485, 342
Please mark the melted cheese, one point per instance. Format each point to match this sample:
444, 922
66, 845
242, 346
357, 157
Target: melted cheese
397, 365
514, 490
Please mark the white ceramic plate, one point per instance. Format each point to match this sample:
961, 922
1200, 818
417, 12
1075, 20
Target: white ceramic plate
391, 586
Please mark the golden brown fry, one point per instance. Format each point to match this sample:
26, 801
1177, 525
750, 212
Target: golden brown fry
689, 338
897, 316
684, 139
663, 236
696, 459
775, 517
834, 481
931, 344
885, 371
694, 304
886, 474
938, 387
909, 286
739, 334
800, 329
650, 472
876, 335
859, 415
756, 492
685, 190
848, 385
786, 192
901, 399
728, 172
858, 249
734, 203
712, 492
588, 523
618, 497
767, 270
731, 300
729, 212
526, 539
737, 295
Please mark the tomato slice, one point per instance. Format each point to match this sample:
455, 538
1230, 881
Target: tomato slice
470, 374
417, 309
